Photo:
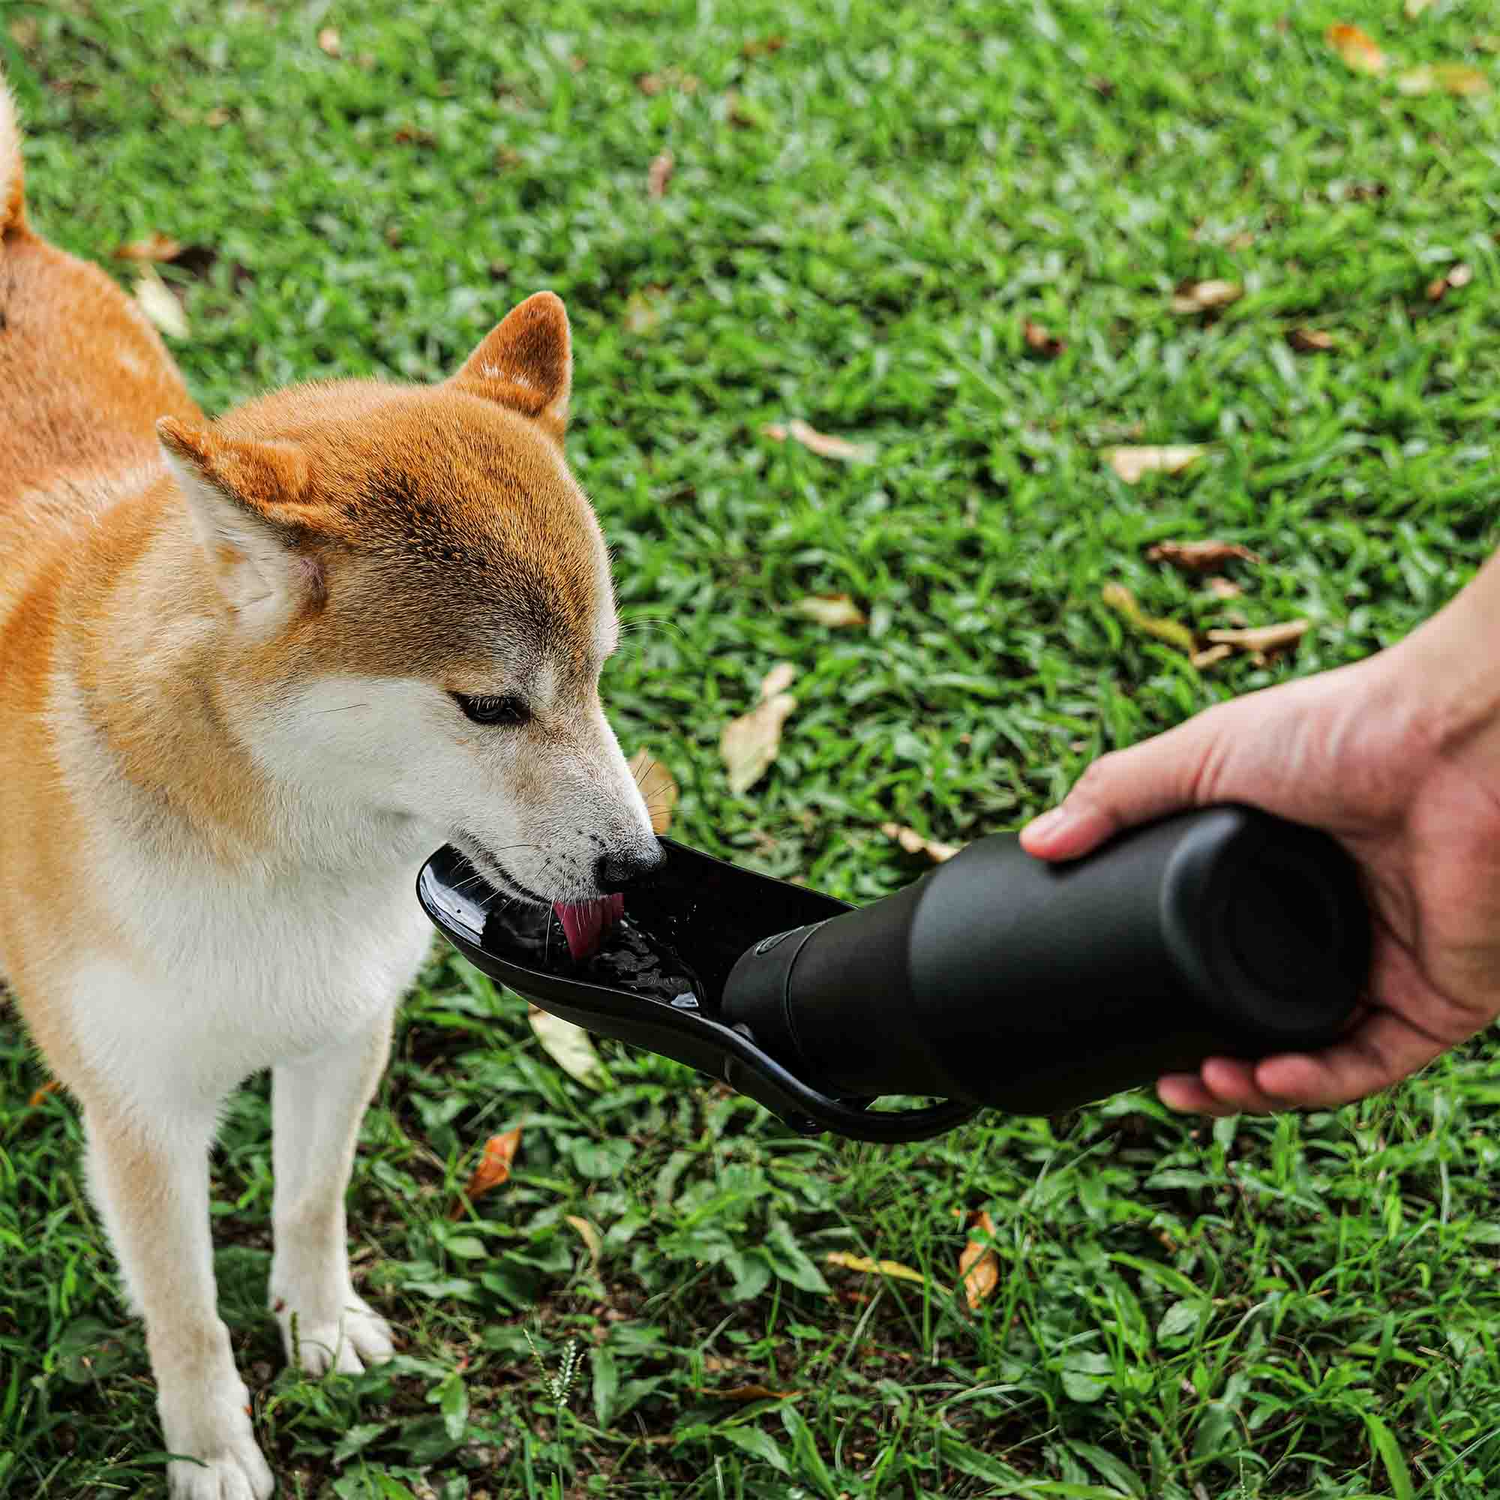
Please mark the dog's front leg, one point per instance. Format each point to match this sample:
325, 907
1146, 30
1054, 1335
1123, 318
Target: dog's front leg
149, 1177
317, 1104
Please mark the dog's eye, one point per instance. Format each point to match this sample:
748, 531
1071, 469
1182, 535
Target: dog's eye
485, 710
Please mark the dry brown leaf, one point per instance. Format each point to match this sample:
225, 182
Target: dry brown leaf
818, 442
914, 843
870, 1267
157, 302
492, 1171
650, 84
1210, 655
658, 787
763, 46
1447, 78
589, 1235
978, 1266
750, 1393
1358, 50
154, 246
777, 680
1452, 279
1196, 557
567, 1045
1205, 296
1123, 602
328, 40
1310, 340
1132, 464
659, 173
750, 743
1263, 637
1222, 588
832, 610
1040, 341
50, 1087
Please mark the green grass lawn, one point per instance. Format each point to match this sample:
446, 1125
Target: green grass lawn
869, 199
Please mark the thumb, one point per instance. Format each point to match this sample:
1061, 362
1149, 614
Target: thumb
1126, 787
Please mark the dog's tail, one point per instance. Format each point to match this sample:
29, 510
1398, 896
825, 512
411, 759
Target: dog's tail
12, 199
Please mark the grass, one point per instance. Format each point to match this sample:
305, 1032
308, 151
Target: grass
868, 201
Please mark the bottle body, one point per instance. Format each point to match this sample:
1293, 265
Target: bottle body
1005, 981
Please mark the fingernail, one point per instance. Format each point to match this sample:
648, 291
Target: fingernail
1050, 823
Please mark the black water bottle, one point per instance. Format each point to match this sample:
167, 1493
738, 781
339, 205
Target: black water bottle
1033, 987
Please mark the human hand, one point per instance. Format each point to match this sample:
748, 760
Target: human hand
1398, 757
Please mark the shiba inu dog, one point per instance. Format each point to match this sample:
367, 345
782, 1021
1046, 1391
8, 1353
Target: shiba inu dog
252, 671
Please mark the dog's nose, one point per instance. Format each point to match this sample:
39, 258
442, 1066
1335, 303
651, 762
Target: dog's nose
615, 872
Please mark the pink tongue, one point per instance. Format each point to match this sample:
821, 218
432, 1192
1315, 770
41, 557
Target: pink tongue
585, 922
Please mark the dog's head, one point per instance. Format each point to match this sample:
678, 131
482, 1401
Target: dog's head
418, 604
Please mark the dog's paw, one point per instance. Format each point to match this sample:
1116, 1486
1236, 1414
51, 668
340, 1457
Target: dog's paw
357, 1337
205, 1414
236, 1473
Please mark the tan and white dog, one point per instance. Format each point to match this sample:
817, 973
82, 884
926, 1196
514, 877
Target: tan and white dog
252, 671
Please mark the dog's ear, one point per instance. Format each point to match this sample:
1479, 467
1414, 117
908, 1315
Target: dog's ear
526, 363
248, 504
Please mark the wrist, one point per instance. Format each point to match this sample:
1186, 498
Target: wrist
1446, 674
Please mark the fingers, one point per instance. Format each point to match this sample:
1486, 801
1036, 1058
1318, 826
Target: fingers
1382, 1051
1130, 786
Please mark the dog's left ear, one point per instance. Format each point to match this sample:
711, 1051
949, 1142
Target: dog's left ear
526, 363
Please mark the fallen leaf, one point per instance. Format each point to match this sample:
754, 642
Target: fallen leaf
1456, 276
492, 1171
659, 174
658, 787
1263, 637
1222, 588
1310, 340
818, 442
1358, 50
157, 302
1132, 464
777, 680
744, 113
154, 246
1205, 296
50, 1087
914, 843
1211, 654
1447, 78
750, 1393
328, 40
763, 46
832, 610
216, 118
1122, 601
567, 1045
1414, 8
1040, 341
750, 743
1196, 557
978, 1266
873, 1267
589, 1235
650, 84
643, 312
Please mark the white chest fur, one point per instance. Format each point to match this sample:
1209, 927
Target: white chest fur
230, 975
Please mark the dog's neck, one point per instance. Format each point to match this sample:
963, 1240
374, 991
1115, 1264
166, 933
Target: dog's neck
158, 685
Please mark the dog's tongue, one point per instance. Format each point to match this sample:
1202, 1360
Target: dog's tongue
586, 922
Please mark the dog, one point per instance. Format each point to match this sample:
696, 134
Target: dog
252, 672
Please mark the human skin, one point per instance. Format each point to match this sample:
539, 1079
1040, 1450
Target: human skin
1398, 757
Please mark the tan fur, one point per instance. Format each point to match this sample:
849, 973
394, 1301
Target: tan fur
182, 901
